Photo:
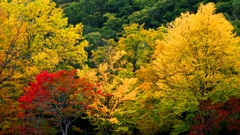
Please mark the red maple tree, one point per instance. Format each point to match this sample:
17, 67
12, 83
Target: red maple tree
219, 118
55, 99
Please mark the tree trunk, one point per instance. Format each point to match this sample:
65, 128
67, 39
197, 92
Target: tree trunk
64, 128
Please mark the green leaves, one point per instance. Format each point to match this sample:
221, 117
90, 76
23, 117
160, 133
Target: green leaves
139, 44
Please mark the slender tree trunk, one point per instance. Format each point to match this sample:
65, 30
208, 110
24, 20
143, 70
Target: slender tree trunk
64, 128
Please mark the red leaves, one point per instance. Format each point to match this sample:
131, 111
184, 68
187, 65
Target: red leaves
60, 95
32, 93
234, 105
214, 118
109, 95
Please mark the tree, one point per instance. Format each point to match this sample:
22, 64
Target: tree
236, 9
112, 27
217, 118
34, 36
115, 70
139, 44
112, 114
202, 50
140, 17
59, 97
199, 60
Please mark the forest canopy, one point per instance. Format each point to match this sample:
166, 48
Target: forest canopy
119, 67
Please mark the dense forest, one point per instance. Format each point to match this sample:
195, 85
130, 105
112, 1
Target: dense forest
113, 67
105, 19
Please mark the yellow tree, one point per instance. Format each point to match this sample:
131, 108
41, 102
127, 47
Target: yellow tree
141, 46
10, 31
34, 36
112, 115
200, 59
201, 52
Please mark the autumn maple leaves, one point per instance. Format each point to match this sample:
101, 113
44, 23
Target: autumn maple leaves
60, 96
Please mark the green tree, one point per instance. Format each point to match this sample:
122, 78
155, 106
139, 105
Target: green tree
236, 9
112, 27
139, 44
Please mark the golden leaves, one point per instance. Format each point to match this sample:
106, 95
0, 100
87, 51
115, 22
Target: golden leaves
158, 49
34, 36
198, 47
46, 59
198, 59
39, 29
113, 120
123, 92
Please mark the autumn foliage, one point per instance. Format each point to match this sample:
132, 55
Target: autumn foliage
178, 79
61, 96
34, 36
218, 118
